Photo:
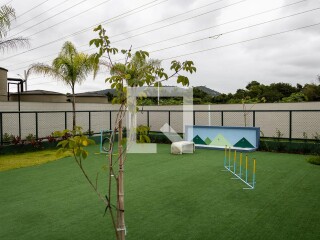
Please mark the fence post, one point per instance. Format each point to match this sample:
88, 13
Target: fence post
169, 112
1, 129
254, 118
37, 131
148, 119
110, 117
89, 123
19, 115
290, 125
221, 118
65, 120
194, 117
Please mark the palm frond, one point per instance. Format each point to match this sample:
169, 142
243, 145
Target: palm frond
118, 68
70, 66
68, 49
7, 14
47, 70
13, 43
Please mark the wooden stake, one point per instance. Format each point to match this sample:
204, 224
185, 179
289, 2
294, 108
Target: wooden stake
120, 210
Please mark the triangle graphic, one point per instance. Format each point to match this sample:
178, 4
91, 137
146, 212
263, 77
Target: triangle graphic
243, 143
198, 140
220, 140
207, 141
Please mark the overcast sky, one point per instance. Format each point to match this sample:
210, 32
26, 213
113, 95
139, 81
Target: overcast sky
225, 62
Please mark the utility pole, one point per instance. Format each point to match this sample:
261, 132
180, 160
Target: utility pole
25, 79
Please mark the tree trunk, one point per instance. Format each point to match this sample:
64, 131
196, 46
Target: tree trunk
120, 215
73, 110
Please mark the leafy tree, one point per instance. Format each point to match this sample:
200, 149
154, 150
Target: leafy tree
136, 70
222, 98
312, 92
272, 96
252, 84
295, 97
285, 89
299, 87
240, 94
71, 67
7, 15
200, 97
131, 73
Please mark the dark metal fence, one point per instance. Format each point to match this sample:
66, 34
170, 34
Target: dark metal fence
287, 124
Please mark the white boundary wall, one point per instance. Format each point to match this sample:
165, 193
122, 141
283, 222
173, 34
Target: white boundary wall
269, 122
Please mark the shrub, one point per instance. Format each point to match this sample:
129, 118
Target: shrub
142, 134
7, 138
30, 137
314, 160
17, 141
316, 137
51, 138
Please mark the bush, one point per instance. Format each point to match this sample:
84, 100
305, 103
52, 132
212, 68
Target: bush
314, 160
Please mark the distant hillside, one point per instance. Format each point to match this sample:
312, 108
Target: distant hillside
209, 91
104, 92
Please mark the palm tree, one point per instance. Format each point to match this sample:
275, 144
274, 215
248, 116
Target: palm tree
7, 15
71, 67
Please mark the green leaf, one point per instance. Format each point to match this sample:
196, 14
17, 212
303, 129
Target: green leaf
71, 143
62, 143
84, 154
113, 85
98, 28
57, 134
77, 152
91, 42
183, 80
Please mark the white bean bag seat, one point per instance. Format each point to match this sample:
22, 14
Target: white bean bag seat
182, 147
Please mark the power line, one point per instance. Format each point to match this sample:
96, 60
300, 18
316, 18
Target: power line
50, 17
8, 2
141, 26
128, 37
218, 25
236, 30
150, 24
221, 24
63, 21
244, 41
89, 28
228, 32
33, 17
51, 55
32, 9
174, 23
113, 19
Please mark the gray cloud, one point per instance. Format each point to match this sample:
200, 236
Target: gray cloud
290, 57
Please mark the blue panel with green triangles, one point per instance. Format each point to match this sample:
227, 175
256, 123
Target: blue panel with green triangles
246, 138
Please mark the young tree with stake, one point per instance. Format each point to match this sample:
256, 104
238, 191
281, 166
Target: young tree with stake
135, 71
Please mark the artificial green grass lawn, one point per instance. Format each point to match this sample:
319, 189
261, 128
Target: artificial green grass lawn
27, 159
166, 197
